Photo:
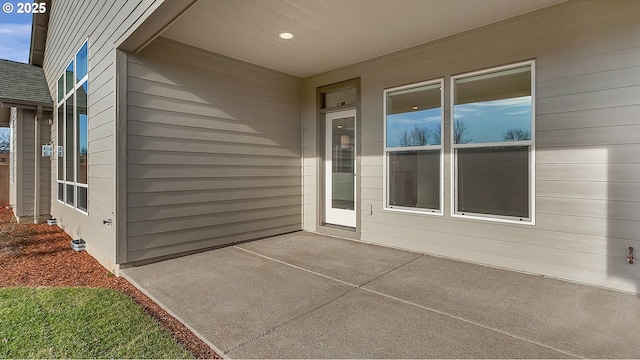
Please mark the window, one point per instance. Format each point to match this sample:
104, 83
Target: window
73, 131
413, 147
60, 152
492, 143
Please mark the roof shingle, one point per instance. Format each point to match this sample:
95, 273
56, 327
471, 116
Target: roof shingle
23, 84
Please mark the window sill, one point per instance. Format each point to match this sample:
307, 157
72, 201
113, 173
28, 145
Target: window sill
494, 218
416, 211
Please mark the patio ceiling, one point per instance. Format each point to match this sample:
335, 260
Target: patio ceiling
331, 33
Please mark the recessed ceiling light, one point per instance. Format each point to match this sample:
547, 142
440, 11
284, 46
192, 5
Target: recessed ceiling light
286, 36
415, 107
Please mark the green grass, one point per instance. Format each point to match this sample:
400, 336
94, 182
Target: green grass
79, 323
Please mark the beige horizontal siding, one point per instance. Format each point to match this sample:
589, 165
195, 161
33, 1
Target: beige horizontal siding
587, 141
213, 154
27, 153
198, 239
102, 23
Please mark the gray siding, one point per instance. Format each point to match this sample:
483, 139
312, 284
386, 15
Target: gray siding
24, 152
103, 23
26, 145
13, 176
45, 167
213, 151
587, 141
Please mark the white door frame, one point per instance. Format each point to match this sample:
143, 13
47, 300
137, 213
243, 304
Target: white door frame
332, 215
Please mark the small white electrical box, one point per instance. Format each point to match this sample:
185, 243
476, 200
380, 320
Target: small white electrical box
60, 151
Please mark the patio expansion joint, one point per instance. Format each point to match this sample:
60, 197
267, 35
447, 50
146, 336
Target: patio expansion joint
327, 276
300, 316
295, 318
362, 287
474, 323
390, 271
285, 323
297, 267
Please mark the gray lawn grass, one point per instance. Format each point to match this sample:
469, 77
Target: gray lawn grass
79, 323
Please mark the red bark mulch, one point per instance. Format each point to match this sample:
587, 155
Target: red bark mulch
41, 255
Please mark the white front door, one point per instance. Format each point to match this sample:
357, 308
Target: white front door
340, 166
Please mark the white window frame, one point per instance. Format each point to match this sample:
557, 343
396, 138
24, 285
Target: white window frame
530, 143
76, 85
387, 150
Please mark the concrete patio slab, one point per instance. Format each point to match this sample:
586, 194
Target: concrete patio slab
580, 320
229, 296
305, 295
362, 324
349, 261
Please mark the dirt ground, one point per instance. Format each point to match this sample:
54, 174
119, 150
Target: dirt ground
41, 255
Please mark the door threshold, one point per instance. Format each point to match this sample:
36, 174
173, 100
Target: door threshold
340, 227
339, 230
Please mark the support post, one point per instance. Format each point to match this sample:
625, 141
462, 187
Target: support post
36, 185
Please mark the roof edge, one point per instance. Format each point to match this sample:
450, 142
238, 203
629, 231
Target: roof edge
29, 105
154, 25
39, 28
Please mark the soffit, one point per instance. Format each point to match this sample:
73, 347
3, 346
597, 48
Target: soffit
39, 27
331, 33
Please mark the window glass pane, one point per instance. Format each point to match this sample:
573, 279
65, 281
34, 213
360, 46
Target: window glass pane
70, 194
61, 191
82, 63
414, 116
69, 78
343, 160
61, 91
82, 198
493, 180
69, 140
60, 143
493, 107
83, 132
414, 179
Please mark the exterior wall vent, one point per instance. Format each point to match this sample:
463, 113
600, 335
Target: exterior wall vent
78, 245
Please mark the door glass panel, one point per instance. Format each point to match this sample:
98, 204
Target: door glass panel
343, 156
